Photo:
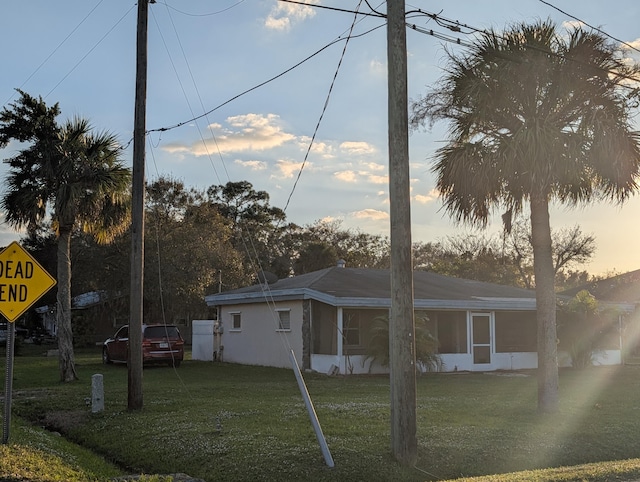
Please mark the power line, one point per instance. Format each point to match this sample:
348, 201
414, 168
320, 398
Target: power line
456, 26
182, 86
591, 26
440, 36
202, 14
90, 50
55, 49
324, 107
261, 84
335, 9
443, 22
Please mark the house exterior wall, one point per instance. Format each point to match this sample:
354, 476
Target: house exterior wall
510, 344
259, 341
491, 347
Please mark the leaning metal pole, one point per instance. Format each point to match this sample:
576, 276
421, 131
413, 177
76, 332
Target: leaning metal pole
401, 320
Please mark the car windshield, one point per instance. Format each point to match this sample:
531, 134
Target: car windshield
161, 332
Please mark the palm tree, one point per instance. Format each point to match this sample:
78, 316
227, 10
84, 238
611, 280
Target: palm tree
71, 174
535, 116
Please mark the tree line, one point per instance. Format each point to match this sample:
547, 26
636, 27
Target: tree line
204, 241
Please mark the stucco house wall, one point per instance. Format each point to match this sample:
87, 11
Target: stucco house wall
259, 340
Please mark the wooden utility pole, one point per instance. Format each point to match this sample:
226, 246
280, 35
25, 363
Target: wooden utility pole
137, 214
404, 444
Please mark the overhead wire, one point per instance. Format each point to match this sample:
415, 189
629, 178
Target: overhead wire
335, 9
245, 236
248, 245
261, 84
456, 26
55, 49
626, 44
201, 14
324, 107
90, 50
184, 93
160, 282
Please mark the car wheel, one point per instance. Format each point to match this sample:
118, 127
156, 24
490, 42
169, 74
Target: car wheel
105, 357
174, 363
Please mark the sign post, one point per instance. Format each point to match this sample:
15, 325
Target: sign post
22, 282
8, 383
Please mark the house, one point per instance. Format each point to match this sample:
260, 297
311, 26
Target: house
94, 314
619, 295
325, 317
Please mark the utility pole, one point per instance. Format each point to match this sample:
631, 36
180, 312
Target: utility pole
404, 444
137, 214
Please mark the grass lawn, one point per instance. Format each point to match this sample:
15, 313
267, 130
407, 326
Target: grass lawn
235, 423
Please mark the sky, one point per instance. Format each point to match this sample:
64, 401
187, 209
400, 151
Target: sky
273, 93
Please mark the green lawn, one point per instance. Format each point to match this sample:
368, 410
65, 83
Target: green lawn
234, 423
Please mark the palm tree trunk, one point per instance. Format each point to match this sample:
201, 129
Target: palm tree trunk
545, 304
63, 315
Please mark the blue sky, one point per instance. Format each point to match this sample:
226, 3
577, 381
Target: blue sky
81, 53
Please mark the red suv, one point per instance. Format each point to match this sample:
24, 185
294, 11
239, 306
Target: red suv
160, 344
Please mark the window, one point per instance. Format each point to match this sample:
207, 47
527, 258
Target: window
284, 320
351, 328
516, 331
450, 329
236, 321
357, 329
161, 331
122, 333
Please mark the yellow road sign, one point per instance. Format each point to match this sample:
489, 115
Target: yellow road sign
22, 281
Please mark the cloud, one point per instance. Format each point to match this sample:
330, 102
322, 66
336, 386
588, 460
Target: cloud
248, 132
573, 24
283, 15
288, 168
630, 50
377, 67
373, 214
374, 166
634, 44
252, 165
352, 176
321, 148
378, 179
352, 147
346, 176
426, 198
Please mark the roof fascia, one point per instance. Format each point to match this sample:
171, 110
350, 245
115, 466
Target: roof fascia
516, 304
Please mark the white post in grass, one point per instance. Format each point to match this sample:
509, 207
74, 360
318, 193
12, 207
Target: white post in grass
312, 412
97, 393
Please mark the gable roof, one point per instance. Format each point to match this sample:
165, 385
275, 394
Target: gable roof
364, 287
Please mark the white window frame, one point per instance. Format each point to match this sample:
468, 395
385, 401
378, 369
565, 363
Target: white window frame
233, 315
280, 326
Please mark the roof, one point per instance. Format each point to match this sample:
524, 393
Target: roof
81, 302
364, 287
624, 288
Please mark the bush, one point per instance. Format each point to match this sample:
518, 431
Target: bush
427, 358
